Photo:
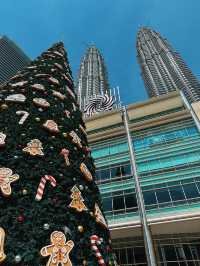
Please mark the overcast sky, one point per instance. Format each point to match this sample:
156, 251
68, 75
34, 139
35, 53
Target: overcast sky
111, 25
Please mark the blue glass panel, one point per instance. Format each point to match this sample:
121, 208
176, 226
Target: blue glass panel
114, 149
192, 131
100, 152
180, 159
149, 197
168, 136
107, 204
131, 201
98, 175
142, 167
176, 193
163, 195
115, 172
126, 169
191, 191
118, 203
105, 174
198, 185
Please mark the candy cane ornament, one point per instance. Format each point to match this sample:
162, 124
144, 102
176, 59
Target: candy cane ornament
24, 116
40, 190
65, 153
95, 240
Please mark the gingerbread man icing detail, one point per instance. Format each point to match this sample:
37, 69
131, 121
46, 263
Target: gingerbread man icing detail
58, 250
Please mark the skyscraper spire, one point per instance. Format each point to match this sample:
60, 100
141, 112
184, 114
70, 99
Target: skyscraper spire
92, 78
162, 68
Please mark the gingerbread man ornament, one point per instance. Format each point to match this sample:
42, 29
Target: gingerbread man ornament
6, 178
58, 250
2, 238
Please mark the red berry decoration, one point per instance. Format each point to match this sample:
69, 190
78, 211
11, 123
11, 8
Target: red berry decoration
20, 218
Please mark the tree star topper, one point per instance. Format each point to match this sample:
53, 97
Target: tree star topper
58, 250
6, 178
34, 147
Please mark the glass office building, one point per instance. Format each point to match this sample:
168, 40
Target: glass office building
167, 147
12, 59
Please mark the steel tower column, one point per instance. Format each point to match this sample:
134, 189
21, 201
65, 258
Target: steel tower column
151, 259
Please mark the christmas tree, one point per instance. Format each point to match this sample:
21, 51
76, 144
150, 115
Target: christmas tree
50, 206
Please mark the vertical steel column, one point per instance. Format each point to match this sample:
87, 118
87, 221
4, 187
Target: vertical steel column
188, 105
151, 259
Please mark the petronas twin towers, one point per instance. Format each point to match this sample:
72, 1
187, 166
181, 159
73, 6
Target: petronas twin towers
162, 69
92, 79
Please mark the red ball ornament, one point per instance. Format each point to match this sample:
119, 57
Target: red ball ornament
20, 218
86, 149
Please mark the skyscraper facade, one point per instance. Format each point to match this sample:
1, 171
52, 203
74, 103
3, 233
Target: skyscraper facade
92, 78
166, 142
12, 59
162, 68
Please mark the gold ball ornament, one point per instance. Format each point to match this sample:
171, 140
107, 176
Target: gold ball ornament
84, 262
24, 192
37, 119
80, 228
4, 106
65, 134
92, 214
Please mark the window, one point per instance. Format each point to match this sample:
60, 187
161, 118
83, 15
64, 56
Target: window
130, 255
170, 253
163, 195
126, 169
176, 193
105, 174
118, 171
122, 255
114, 172
107, 204
198, 185
118, 203
148, 141
149, 197
130, 201
98, 153
191, 191
140, 256
98, 175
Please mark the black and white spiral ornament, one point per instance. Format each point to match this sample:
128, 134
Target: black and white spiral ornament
101, 103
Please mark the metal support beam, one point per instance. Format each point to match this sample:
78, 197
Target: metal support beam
188, 105
151, 259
